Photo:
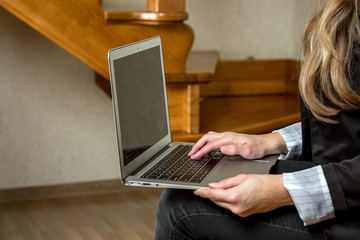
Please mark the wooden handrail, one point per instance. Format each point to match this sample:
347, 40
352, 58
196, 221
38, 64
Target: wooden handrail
78, 27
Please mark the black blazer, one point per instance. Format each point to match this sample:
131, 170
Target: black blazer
336, 147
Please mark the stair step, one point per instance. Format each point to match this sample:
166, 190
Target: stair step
249, 77
245, 114
200, 68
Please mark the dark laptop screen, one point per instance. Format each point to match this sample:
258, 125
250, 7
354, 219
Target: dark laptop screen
141, 101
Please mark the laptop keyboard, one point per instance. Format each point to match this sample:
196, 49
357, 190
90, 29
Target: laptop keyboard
178, 166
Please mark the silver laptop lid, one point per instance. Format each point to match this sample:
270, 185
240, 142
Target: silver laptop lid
140, 102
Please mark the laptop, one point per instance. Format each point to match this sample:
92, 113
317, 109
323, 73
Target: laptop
147, 156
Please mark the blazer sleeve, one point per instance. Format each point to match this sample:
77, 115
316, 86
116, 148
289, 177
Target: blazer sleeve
343, 179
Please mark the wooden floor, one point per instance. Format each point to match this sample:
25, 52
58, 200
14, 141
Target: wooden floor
123, 215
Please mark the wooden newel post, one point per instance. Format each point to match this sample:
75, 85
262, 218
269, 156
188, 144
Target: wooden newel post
166, 5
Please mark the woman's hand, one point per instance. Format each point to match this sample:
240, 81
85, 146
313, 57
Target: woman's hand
245, 195
247, 146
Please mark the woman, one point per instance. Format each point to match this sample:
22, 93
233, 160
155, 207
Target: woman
321, 173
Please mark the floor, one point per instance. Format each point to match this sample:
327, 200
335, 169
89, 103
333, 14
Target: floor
124, 215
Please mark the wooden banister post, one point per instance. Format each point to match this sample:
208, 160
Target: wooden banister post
157, 12
166, 5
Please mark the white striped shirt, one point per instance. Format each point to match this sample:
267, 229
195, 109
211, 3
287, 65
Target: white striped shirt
308, 188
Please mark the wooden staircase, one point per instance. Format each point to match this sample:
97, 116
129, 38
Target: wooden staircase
204, 93
249, 97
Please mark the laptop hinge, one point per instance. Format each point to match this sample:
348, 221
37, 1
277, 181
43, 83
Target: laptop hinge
149, 161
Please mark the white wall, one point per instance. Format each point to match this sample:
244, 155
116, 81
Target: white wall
56, 125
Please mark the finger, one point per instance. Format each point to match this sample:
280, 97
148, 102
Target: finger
228, 182
202, 141
217, 195
204, 145
211, 145
222, 197
229, 149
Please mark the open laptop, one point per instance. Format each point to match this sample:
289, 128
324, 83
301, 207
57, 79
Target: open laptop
146, 154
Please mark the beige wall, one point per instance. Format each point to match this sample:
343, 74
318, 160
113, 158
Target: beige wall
264, 29
56, 126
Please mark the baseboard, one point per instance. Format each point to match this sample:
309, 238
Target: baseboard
63, 190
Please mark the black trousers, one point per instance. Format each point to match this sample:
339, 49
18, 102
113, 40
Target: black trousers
183, 215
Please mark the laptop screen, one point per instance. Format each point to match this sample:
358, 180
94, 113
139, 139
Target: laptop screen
141, 101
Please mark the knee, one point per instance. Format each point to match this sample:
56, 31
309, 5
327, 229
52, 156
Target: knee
169, 210
164, 204
169, 206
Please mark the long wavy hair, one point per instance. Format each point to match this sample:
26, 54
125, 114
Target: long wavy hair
325, 80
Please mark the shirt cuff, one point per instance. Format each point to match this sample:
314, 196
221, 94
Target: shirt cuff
292, 136
310, 193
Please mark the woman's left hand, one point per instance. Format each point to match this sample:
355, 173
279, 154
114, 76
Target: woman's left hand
246, 194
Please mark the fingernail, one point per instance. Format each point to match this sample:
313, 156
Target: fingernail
212, 184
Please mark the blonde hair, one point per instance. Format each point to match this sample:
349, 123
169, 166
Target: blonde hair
325, 80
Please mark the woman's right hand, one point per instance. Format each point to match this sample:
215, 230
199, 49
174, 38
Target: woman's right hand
247, 146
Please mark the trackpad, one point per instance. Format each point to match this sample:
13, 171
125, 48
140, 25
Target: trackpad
231, 166
237, 164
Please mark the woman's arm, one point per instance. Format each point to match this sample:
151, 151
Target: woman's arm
292, 136
247, 146
343, 179
310, 193
248, 194
286, 141
314, 204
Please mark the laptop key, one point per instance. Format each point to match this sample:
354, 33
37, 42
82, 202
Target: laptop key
185, 178
174, 178
195, 181
211, 164
163, 177
153, 176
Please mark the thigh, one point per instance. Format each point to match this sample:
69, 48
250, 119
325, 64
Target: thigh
182, 215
